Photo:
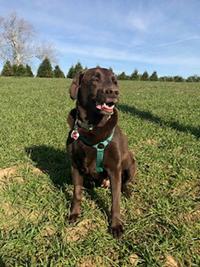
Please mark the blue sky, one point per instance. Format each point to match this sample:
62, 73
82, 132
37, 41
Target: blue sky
161, 35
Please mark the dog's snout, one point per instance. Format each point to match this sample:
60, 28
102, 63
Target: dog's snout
112, 92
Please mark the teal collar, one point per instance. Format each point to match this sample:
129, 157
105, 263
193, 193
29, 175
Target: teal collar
100, 148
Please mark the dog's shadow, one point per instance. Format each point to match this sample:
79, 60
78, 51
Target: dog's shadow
149, 116
2, 264
56, 164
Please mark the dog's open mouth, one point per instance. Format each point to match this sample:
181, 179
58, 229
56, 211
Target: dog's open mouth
107, 107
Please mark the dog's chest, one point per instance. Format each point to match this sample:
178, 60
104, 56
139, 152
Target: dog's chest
85, 158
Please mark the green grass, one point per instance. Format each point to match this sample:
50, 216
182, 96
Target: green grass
162, 121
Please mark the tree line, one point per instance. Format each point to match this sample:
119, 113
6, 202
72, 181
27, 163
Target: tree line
18, 46
136, 76
46, 70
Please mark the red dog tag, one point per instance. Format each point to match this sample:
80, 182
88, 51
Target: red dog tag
75, 134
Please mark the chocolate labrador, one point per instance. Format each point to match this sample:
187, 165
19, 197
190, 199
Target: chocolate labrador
96, 144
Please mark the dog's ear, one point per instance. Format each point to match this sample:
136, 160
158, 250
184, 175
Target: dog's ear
73, 90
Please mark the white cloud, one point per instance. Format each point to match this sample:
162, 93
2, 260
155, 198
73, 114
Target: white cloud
179, 41
137, 23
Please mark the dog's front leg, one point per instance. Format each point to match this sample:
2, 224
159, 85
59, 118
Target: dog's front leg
77, 195
116, 224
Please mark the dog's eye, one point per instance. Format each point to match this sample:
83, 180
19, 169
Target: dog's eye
114, 80
97, 76
95, 79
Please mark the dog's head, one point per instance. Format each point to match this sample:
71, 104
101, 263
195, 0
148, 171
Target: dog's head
96, 89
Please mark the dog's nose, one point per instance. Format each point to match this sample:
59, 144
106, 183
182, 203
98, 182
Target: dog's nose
112, 92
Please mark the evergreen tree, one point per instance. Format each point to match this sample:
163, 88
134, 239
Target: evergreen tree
7, 69
20, 71
154, 76
134, 75
71, 72
14, 69
169, 79
122, 76
78, 68
194, 78
45, 69
162, 79
57, 73
29, 72
178, 79
145, 76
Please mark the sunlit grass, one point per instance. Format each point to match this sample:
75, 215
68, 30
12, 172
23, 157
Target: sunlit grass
161, 218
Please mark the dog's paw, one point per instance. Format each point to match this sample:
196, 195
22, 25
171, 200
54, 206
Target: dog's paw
73, 218
117, 231
105, 183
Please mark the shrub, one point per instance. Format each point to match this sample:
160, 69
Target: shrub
145, 76
7, 69
178, 79
57, 73
135, 75
122, 76
71, 72
45, 69
29, 72
154, 76
20, 70
194, 78
78, 67
74, 70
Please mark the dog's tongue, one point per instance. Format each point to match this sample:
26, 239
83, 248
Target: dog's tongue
99, 107
105, 107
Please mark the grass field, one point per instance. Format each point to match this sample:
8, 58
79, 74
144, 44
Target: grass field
162, 218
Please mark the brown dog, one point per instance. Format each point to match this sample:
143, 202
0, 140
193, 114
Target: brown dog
97, 147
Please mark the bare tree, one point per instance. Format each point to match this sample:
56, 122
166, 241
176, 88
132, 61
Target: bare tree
46, 51
16, 37
17, 42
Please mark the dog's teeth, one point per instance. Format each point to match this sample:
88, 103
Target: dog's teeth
108, 107
105, 107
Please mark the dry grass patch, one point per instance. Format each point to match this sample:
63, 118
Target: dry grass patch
171, 262
151, 142
48, 230
36, 170
9, 175
133, 259
33, 216
91, 262
190, 217
79, 231
8, 209
7, 172
12, 174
